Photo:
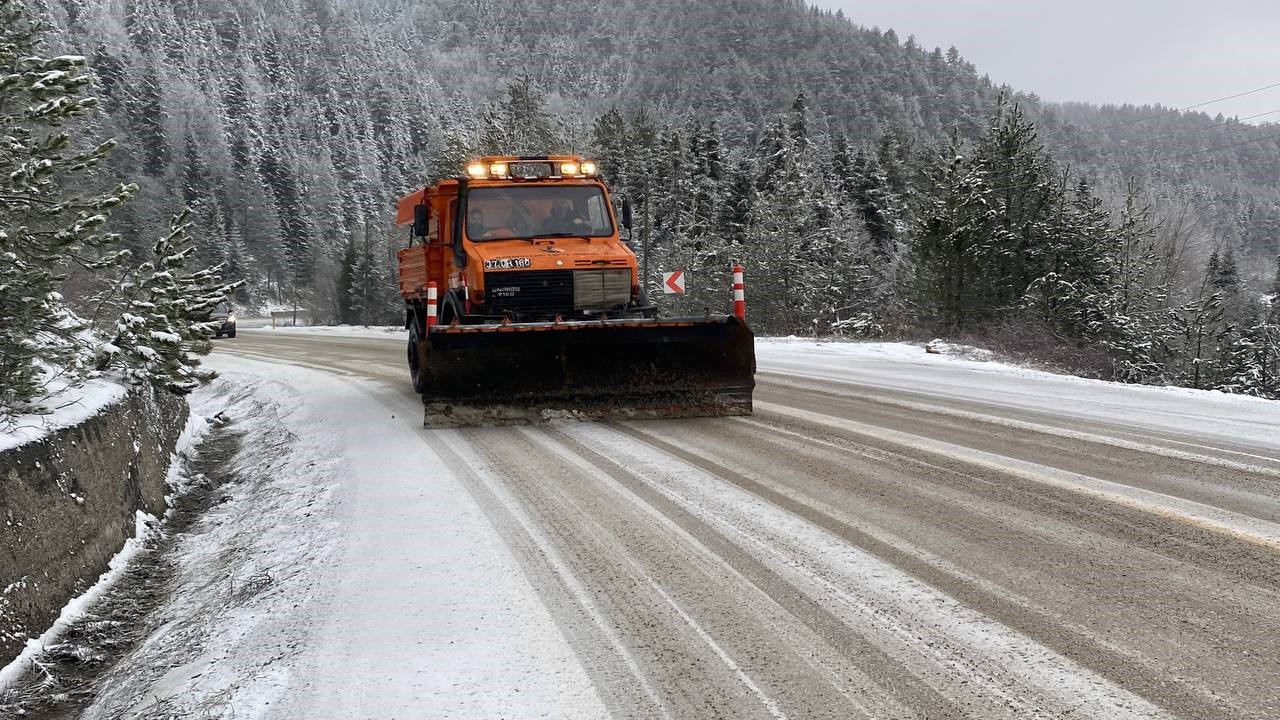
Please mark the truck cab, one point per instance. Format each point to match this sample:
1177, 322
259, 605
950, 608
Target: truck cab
518, 240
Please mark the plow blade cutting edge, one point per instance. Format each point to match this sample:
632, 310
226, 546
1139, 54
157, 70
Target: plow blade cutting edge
531, 372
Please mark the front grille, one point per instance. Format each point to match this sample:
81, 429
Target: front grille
529, 293
596, 290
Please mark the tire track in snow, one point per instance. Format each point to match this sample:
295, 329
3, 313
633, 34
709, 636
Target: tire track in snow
708, 653
856, 686
1164, 614
548, 569
1237, 526
1187, 688
1170, 444
1039, 632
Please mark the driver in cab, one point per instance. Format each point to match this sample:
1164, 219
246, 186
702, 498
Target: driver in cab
478, 223
566, 219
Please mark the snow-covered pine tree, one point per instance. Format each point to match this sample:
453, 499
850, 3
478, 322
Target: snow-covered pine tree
1241, 364
520, 124
1245, 359
164, 324
362, 286
45, 226
608, 136
876, 202
1269, 380
1273, 299
775, 240
1024, 193
1142, 326
708, 262
953, 226
348, 314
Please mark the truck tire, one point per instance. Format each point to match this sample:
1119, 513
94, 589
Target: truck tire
417, 353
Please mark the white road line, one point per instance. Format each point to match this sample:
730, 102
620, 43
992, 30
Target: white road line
769, 703
1255, 531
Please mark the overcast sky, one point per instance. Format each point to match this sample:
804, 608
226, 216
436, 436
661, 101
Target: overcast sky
1173, 52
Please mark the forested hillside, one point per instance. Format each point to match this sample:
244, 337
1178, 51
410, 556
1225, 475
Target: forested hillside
872, 186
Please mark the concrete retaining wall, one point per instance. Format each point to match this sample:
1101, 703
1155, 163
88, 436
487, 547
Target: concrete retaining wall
68, 503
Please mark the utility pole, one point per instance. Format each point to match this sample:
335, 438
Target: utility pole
364, 279
645, 240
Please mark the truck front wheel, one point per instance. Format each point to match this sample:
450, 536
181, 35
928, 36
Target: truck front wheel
417, 360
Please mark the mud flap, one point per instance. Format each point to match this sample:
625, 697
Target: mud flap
673, 367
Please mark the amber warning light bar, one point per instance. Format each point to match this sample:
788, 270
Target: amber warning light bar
499, 168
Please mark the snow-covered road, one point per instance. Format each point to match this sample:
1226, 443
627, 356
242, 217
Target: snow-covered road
891, 535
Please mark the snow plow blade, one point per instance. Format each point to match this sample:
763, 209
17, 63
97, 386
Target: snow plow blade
626, 369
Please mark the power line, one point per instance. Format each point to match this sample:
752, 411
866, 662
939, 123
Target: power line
1228, 121
1189, 107
1149, 163
1224, 123
1227, 147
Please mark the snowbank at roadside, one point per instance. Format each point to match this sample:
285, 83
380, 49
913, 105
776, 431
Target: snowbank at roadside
67, 407
145, 525
356, 331
338, 576
908, 367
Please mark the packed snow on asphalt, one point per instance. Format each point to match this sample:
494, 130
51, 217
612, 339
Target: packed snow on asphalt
894, 534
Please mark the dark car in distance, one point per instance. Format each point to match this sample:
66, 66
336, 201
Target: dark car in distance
227, 316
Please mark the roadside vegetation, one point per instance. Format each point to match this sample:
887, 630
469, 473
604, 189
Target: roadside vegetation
74, 301
872, 187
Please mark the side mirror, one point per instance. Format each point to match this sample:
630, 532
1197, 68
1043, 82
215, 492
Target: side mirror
626, 213
421, 214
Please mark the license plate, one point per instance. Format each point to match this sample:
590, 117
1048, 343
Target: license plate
506, 263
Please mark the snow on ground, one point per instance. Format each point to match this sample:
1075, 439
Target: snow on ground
358, 331
907, 367
67, 407
967, 373
145, 524
339, 577
76, 609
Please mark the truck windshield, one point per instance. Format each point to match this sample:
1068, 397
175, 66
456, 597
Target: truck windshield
504, 213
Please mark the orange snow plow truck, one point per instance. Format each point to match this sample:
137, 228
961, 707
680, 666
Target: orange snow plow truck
523, 303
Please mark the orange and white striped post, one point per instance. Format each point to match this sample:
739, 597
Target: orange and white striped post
431, 304
739, 294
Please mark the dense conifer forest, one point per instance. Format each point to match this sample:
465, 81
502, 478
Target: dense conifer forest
873, 187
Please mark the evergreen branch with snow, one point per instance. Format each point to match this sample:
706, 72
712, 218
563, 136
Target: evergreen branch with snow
166, 324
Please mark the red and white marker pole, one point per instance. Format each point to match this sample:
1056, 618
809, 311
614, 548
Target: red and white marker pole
739, 294
431, 304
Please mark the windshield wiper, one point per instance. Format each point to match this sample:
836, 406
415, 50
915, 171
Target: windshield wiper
563, 235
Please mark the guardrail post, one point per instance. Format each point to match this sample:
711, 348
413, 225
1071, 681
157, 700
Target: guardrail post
739, 294
432, 315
